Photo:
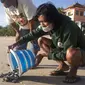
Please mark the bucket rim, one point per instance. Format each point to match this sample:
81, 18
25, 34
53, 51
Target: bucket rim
17, 60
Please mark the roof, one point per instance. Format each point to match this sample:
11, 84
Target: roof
76, 5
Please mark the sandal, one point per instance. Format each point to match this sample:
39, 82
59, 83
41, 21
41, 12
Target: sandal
58, 73
71, 79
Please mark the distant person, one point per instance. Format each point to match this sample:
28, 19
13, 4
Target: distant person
19, 15
67, 44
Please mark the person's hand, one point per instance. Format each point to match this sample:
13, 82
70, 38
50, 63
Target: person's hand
10, 47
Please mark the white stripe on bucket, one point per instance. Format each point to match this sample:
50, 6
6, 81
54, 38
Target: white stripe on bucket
24, 59
29, 57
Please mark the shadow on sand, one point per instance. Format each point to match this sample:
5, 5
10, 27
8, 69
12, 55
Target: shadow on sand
57, 80
46, 67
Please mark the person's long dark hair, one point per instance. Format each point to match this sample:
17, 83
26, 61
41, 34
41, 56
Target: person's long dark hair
50, 12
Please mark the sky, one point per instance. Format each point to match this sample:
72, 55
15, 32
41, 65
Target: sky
57, 3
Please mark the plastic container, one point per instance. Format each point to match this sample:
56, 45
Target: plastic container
22, 60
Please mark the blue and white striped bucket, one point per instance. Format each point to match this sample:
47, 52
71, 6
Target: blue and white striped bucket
21, 59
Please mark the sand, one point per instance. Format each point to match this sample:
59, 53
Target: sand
38, 76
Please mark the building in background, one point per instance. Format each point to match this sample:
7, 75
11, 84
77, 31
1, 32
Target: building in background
77, 13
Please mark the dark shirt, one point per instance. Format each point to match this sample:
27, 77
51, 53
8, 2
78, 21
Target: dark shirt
66, 36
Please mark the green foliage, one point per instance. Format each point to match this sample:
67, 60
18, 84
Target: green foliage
60, 9
6, 31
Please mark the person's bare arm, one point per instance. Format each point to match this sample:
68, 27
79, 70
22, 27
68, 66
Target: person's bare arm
16, 29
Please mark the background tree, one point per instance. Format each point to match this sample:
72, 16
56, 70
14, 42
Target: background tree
7, 31
60, 9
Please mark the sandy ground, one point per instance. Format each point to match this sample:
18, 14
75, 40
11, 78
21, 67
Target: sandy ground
38, 76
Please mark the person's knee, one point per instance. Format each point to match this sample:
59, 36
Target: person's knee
40, 41
73, 56
43, 40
